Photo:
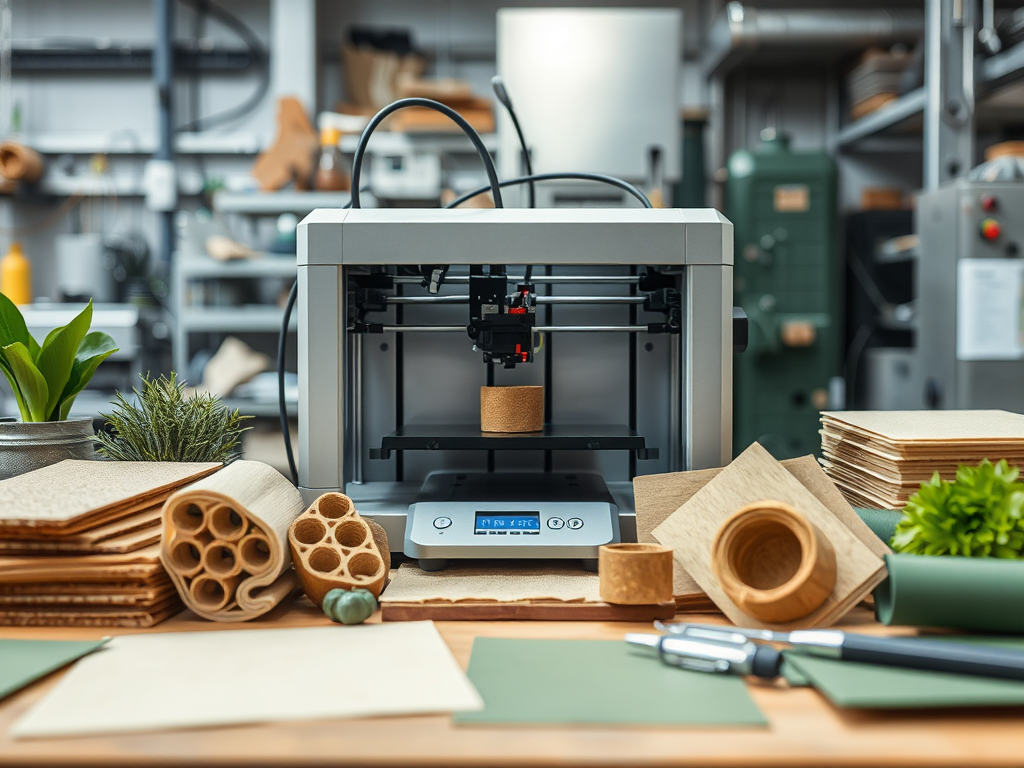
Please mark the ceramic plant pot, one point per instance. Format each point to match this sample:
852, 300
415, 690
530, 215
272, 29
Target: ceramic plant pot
25, 446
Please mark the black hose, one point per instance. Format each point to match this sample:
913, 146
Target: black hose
459, 120
281, 405
256, 50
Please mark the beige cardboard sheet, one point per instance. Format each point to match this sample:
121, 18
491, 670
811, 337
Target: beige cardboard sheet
72, 493
931, 426
502, 584
203, 679
752, 477
141, 564
658, 496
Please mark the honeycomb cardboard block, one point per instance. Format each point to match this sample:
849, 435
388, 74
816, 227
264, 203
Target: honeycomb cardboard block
334, 548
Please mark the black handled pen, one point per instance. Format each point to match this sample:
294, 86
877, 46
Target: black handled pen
910, 652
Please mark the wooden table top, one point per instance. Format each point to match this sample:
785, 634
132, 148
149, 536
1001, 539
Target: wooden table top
805, 730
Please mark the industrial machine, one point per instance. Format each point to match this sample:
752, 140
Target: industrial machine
969, 296
783, 205
624, 315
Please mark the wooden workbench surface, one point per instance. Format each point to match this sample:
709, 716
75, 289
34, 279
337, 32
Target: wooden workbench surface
804, 729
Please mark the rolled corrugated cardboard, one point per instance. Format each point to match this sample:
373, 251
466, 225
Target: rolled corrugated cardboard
511, 409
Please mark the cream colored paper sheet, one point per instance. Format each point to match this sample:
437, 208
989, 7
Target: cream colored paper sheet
201, 679
502, 585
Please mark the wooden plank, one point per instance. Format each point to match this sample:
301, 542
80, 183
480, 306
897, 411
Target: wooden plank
525, 611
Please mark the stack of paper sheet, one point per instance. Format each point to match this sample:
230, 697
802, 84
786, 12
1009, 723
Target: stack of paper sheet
880, 458
79, 543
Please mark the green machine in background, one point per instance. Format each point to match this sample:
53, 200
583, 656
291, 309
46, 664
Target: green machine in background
783, 207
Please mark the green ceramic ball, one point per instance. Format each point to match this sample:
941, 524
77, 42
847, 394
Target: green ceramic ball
349, 606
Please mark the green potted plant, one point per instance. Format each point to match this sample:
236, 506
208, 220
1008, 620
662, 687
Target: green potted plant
45, 379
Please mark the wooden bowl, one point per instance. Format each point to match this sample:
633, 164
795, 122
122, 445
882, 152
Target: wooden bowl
511, 409
635, 574
773, 563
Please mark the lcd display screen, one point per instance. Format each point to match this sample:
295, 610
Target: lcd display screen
507, 521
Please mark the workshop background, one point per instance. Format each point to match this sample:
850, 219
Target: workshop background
861, 152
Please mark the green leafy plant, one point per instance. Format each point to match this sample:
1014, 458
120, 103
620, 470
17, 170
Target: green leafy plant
168, 425
980, 514
47, 378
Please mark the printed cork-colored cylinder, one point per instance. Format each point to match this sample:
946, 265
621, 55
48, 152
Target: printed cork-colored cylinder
635, 574
773, 563
511, 409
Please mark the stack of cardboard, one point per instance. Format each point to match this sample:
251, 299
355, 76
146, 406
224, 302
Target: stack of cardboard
875, 81
880, 458
79, 543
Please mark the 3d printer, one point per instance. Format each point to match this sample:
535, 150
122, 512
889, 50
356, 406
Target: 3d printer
624, 315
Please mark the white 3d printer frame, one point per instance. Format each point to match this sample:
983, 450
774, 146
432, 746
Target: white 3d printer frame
346, 386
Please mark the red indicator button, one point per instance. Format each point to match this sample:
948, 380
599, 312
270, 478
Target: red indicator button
990, 229
989, 203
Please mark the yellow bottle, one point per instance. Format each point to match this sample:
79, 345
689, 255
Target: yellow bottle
16, 276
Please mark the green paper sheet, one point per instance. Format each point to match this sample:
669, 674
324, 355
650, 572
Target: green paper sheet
25, 661
978, 594
882, 522
598, 682
850, 684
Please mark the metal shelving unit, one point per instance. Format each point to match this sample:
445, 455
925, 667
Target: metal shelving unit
891, 117
193, 268
956, 84
274, 203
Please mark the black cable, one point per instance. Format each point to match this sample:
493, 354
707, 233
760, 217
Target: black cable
281, 406
282, 345
256, 50
459, 120
599, 177
498, 85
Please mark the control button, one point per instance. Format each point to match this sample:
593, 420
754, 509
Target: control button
554, 523
990, 229
500, 533
442, 522
989, 203
531, 533
574, 523
515, 533
493, 533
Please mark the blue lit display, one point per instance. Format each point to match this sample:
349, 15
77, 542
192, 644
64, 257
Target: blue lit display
507, 521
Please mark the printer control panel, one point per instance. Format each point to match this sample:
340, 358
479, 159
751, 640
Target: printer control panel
468, 530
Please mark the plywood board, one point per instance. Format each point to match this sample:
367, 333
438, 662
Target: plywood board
756, 476
76, 495
525, 611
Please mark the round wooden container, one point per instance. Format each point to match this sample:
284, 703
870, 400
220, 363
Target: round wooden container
635, 574
772, 562
511, 409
